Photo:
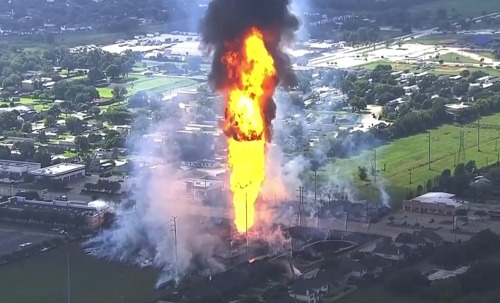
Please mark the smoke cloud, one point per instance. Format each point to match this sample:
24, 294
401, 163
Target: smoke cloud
230, 20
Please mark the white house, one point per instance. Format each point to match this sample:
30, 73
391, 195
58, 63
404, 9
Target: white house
309, 290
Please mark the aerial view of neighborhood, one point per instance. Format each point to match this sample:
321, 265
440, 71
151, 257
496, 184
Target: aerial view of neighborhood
246, 151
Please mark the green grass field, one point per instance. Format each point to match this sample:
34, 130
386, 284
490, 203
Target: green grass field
43, 279
452, 57
395, 66
438, 39
412, 153
487, 54
376, 294
152, 84
465, 8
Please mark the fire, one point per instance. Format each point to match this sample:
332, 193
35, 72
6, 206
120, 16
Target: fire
252, 77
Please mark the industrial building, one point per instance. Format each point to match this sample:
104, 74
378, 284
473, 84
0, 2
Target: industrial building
434, 203
93, 211
16, 170
61, 172
201, 188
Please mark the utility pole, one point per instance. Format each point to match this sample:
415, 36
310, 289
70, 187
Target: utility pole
68, 278
410, 181
174, 230
315, 194
429, 150
301, 206
496, 144
375, 165
478, 130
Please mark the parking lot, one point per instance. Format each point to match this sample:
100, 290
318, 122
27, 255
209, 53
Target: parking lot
11, 236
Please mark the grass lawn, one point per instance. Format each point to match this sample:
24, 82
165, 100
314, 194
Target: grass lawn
105, 92
486, 54
395, 66
43, 279
69, 154
452, 57
412, 153
152, 84
163, 84
465, 8
438, 39
376, 294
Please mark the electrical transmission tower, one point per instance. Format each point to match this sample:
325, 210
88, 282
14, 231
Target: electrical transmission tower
300, 196
461, 148
174, 231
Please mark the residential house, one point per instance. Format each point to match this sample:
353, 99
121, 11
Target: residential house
352, 269
431, 238
375, 265
411, 89
309, 290
411, 240
336, 280
391, 252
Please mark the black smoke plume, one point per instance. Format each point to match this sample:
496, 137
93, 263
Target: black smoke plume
231, 20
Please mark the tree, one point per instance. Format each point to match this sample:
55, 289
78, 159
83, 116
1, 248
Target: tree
113, 71
470, 167
74, 125
42, 137
119, 92
139, 100
461, 88
27, 127
406, 282
5, 152
50, 121
95, 75
43, 157
420, 190
429, 185
82, 144
362, 173
465, 73
8, 121
26, 149
94, 111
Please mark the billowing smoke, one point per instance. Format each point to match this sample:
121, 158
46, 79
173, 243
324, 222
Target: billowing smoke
299, 7
230, 20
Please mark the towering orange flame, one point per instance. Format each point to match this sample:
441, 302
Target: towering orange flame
252, 76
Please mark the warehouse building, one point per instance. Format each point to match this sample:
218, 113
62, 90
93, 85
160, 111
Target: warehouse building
94, 212
16, 170
434, 203
61, 172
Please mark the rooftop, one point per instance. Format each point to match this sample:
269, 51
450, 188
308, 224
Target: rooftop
58, 169
301, 286
17, 163
438, 197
